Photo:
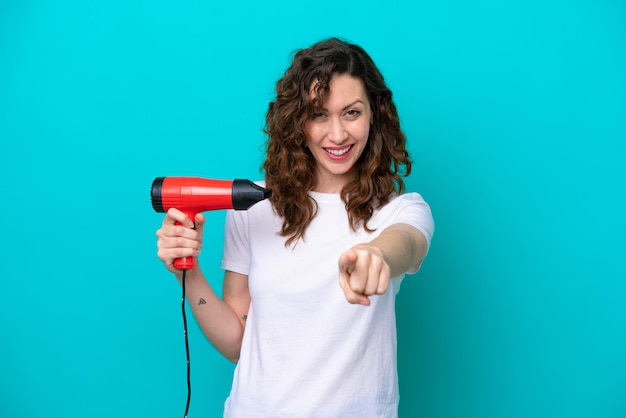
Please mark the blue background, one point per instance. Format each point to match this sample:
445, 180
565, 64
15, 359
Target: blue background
515, 113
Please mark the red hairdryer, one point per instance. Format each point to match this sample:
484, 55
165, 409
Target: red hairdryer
195, 194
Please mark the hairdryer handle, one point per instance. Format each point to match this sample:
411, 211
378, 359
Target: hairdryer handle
185, 263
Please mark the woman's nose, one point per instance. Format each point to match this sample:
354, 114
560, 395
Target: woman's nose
337, 131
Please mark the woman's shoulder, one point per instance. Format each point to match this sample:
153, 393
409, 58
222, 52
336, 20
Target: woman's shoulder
411, 208
408, 198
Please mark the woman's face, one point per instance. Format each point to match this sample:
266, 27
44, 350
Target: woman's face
337, 135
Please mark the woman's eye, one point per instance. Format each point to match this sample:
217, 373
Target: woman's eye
353, 112
318, 115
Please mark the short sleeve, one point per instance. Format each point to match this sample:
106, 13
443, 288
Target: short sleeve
413, 210
416, 212
236, 256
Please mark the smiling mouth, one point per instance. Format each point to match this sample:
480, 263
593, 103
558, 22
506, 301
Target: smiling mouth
338, 152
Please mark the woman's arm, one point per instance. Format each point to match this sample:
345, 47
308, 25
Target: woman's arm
365, 269
220, 319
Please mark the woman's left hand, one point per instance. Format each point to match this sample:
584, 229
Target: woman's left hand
363, 272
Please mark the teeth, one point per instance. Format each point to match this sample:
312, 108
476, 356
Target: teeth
338, 152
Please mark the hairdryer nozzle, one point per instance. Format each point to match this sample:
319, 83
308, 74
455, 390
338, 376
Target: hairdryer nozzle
246, 194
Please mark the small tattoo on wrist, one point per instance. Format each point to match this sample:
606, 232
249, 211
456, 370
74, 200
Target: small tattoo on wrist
202, 302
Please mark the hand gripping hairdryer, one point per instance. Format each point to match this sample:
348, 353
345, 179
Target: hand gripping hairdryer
192, 195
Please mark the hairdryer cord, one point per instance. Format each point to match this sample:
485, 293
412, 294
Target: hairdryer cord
186, 348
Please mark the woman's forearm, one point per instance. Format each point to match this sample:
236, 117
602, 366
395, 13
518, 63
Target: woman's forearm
403, 246
217, 319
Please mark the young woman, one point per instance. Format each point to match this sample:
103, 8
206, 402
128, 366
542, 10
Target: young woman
307, 309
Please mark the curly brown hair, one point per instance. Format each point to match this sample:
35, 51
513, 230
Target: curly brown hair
289, 165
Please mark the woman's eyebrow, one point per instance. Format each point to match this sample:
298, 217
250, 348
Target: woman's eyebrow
353, 103
349, 105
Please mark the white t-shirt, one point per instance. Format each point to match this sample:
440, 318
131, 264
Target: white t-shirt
306, 351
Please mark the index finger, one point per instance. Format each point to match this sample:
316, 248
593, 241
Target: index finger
174, 215
347, 261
